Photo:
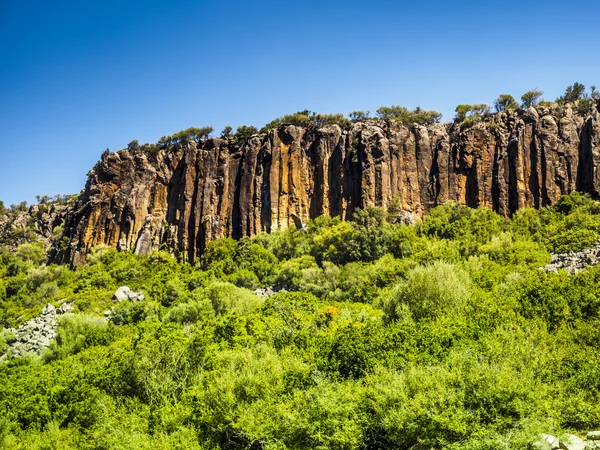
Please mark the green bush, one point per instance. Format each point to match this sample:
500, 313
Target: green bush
429, 291
441, 334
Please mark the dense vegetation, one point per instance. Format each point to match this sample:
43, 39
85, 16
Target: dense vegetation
444, 333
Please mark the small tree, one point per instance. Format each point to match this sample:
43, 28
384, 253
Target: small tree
505, 102
462, 111
357, 116
408, 117
531, 98
133, 145
480, 109
226, 131
244, 132
195, 134
573, 93
594, 93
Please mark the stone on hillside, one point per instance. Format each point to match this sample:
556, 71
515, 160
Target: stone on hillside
264, 292
136, 296
571, 442
124, 293
48, 309
121, 294
65, 308
545, 442
594, 435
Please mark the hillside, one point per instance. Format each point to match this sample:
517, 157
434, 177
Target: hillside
345, 335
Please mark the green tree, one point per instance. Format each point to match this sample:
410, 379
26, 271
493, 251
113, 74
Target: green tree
245, 132
531, 98
462, 111
358, 116
428, 291
573, 93
480, 109
402, 114
133, 145
505, 102
226, 132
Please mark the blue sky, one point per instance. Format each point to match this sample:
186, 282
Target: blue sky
78, 77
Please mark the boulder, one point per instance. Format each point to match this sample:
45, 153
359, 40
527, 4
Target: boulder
545, 442
593, 436
571, 442
65, 308
121, 294
124, 293
48, 309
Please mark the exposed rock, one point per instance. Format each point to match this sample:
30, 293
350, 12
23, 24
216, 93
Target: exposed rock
48, 309
182, 197
124, 293
35, 334
267, 292
37, 223
574, 262
593, 436
404, 217
545, 442
572, 442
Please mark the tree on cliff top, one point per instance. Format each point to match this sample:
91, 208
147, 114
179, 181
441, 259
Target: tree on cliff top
307, 119
505, 102
357, 116
402, 114
244, 132
190, 134
531, 98
573, 93
462, 111
226, 131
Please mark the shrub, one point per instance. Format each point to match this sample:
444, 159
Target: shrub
408, 117
428, 291
78, 332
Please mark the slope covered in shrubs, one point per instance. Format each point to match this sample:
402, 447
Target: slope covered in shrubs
444, 333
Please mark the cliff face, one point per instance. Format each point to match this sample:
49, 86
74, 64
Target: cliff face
184, 197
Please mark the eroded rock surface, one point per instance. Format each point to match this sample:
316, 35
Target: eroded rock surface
183, 197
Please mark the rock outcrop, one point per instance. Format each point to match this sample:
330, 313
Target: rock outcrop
35, 334
566, 442
574, 262
124, 293
43, 222
182, 197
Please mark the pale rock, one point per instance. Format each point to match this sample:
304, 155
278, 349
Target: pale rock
545, 442
571, 442
593, 436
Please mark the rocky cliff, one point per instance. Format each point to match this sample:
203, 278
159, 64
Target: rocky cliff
182, 197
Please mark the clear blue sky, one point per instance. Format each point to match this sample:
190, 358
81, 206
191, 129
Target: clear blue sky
77, 77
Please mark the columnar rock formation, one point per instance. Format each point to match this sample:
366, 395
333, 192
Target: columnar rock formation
183, 197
